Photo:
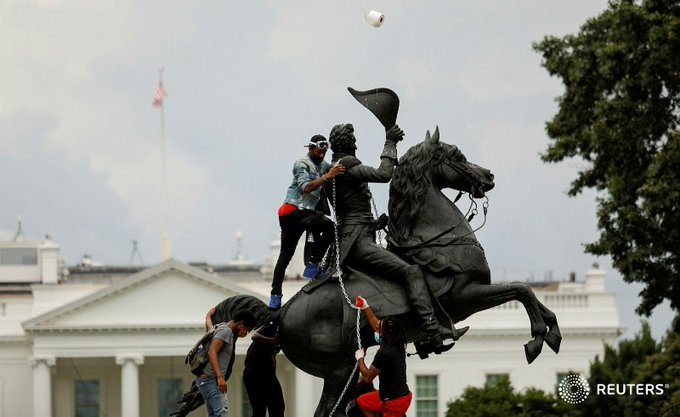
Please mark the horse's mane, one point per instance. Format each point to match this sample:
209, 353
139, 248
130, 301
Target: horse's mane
411, 180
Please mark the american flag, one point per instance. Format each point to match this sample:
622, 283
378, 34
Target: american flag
159, 95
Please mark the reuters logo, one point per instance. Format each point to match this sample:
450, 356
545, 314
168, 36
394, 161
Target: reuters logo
574, 389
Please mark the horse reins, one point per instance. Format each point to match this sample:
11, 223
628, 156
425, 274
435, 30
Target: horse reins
472, 211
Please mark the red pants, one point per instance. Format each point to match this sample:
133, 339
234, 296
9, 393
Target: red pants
391, 408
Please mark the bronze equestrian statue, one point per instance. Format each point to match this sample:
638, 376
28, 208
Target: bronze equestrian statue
317, 326
356, 229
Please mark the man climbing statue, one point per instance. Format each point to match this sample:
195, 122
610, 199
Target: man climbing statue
356, 228
304, 209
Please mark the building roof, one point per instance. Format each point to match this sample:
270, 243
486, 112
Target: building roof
146, 296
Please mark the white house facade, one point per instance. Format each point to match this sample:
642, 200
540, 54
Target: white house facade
111, 343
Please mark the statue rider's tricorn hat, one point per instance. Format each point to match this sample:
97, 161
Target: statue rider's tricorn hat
382, 102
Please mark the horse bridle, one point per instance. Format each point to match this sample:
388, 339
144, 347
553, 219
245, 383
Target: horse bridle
472, 211
466, 171
476, 184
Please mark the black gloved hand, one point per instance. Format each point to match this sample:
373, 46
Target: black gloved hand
395, 134
382, 221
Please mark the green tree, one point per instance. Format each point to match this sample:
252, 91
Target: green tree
662, 368
620, 366
619, 114
640, 360
499, 399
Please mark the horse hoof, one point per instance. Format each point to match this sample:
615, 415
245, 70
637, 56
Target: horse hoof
553, 341
458, 333
533, 348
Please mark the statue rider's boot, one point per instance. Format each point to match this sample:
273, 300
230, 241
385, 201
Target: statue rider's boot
419, 297
458, 333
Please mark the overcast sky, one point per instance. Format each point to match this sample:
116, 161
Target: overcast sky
248, 83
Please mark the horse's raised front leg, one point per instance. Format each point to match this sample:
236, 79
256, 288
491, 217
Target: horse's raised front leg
337, 390
473, 298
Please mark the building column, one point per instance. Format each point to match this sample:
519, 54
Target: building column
42, 385
129, 388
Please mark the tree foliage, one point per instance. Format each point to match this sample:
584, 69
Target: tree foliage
619, 366
619, 114
663, 367
499, 399
640, 360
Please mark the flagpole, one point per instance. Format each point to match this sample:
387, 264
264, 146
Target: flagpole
166, 243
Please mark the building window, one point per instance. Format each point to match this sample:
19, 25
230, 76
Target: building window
87, 398
19, 256
169, 390
492, 379
426, 396
247, 410
560, 377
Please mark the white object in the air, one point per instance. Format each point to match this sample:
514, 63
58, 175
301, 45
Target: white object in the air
376, 19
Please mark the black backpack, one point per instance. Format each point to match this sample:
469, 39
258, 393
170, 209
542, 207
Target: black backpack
197, 357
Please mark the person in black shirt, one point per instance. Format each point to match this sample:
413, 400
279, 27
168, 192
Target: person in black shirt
259, 375
393, 397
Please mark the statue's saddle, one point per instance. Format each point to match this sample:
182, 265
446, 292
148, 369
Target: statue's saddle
385, 297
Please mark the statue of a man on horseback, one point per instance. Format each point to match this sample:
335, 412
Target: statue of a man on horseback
356, 229
433, 259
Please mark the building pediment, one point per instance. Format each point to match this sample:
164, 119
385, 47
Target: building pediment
171, 295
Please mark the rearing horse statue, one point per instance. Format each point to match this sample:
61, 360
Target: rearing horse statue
318, 325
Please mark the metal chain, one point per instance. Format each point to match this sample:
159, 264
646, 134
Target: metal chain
375, 211
485, 210
474, 208
344, 390
344, 293
337, 265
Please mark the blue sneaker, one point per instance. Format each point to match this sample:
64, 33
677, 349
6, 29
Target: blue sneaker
275, 302
312, 271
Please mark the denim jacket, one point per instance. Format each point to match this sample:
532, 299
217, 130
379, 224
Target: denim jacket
305, 171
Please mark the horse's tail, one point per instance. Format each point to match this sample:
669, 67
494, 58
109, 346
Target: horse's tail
229, 306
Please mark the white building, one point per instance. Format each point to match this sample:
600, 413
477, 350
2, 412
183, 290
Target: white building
110, 342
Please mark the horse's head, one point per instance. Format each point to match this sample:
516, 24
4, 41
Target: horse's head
428, 164
452, 170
